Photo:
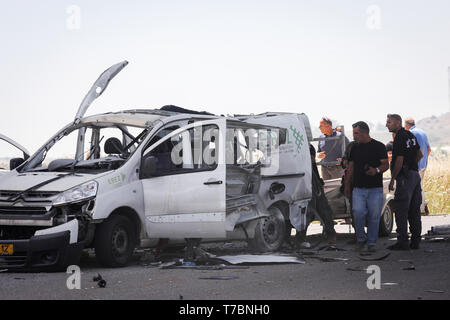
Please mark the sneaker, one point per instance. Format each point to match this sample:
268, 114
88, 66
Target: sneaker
359, 246
371, 248
414, 245
399, 247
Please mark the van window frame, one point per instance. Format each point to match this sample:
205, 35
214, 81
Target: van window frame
179, 130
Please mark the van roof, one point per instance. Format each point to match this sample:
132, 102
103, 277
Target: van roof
139, 117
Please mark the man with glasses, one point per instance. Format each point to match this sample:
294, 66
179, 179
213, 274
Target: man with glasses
408, 192
367, 162
330, 151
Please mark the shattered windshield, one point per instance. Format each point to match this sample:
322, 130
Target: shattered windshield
88, 149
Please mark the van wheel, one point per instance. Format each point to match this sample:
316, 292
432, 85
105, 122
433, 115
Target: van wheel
270, 232
386, 221
114, 241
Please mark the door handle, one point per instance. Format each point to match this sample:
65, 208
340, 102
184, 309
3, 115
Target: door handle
212, 182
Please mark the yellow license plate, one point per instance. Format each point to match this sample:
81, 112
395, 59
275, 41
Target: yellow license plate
6, 249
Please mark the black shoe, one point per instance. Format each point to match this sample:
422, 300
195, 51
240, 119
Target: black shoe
414, 245
399, 247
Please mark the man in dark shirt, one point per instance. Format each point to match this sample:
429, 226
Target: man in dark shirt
408, 192
367, 162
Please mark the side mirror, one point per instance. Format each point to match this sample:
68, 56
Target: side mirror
276, 188
15, 162
148, 167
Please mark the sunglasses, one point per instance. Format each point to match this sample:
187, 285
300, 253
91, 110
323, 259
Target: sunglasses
327, 120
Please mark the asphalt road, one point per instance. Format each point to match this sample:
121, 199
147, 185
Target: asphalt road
315, 279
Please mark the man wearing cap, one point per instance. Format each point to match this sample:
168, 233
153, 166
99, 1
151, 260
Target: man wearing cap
367, 162
408, 193
425, 148
330, 150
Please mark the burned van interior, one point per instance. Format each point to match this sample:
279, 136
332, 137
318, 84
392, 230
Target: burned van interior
90, 148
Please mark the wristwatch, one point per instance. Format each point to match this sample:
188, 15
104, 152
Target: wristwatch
378, 170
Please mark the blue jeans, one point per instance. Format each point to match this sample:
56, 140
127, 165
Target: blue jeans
367, 205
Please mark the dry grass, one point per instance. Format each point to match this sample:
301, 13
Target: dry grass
437, 184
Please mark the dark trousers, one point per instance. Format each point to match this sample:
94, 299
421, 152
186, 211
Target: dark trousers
319, 206
407, 201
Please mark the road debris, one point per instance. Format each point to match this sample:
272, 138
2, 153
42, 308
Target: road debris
219, 278
435, 291
381, 255
411, 267
330, 248
438, 233
389, 284
100, 281
357, 269
258, 259
330, 259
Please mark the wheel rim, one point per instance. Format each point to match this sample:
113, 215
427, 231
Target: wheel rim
120, 241
273, 227
387, 217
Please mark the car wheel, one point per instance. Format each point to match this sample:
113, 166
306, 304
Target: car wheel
386, 221
270, 232
114, 241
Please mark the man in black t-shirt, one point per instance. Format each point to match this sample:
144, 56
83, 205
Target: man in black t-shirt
408, 192
367, 162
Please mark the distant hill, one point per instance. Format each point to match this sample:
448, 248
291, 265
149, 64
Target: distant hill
437, 129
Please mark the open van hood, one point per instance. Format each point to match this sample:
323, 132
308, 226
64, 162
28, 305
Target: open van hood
98, 88
26, 154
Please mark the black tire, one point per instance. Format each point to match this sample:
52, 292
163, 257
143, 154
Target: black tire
386, 221
270, 232
114, 241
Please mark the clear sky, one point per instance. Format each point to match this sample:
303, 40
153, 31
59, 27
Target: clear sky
327, 57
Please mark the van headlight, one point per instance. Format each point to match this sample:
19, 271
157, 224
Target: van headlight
82, 192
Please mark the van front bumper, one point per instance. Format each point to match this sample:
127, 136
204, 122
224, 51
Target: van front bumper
51, 252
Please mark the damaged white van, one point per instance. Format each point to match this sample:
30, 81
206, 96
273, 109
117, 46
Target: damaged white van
118, 181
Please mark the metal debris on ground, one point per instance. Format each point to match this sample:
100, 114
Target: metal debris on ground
3, 270
437, 233
219, 278
389, 284
411, 267
330, 248
381, 255
100, 281
442, 230
357, 269
259, 259
330, 259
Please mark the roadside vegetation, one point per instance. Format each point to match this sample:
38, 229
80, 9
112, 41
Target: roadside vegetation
437, 182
